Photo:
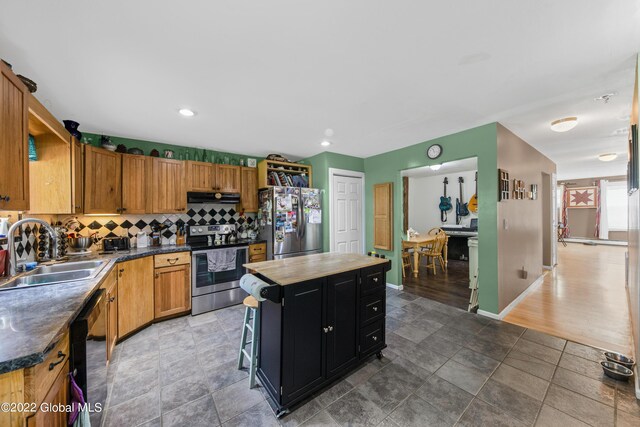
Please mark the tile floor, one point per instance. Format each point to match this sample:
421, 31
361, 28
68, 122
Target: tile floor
442, 367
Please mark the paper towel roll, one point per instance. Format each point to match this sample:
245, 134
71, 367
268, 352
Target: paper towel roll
252, 285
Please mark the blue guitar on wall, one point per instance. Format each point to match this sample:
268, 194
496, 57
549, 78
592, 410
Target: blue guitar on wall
461, 207
445, 202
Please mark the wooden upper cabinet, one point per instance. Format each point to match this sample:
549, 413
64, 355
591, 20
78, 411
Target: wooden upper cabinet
249, 193
136, 184
169, 193
102, 181
200, 176
14, 160
77, 176
383, 216
228, 178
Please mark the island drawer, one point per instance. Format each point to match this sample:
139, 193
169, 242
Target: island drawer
168, 260
372, 307
373, 279
372, 337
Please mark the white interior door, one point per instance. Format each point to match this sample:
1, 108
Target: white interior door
346, 221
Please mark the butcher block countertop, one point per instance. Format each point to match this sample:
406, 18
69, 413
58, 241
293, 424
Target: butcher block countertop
299, 269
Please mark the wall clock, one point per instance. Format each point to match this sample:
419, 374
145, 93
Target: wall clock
434, 151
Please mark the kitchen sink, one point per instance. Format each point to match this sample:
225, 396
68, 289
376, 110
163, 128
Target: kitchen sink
48, 279
68, 266
57, 273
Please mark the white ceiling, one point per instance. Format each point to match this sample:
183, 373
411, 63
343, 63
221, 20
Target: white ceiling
272, 76
464, 165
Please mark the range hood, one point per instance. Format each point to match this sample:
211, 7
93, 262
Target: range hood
222, 198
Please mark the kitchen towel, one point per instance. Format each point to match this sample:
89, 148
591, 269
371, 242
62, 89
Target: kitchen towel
221, 260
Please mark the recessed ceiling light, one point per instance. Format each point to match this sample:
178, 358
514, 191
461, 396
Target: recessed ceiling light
328, 132
325, 143
607, 157
435, 167
564, 125
187, 112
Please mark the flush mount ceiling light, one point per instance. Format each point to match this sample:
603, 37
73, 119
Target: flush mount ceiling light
187, 112
607, 157
605, 97
435, 167
325, 143
564, 125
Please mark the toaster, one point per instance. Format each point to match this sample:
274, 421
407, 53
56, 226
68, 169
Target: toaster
114, 244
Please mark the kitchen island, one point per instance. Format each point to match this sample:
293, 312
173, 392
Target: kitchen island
323, 317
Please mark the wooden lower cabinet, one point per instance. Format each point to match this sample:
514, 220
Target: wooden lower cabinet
111, 287
58, 395
172, 290
135, 295
257, 252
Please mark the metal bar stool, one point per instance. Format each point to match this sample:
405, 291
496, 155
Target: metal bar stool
251, 323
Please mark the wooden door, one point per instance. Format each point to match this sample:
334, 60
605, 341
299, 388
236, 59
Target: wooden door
14, 157
102, 181
228, 178
136, 184
135, 295
342, 321
58, 395
172, 293
112, 311
303, 354
200, 176
383, 216
168, 194
77, 176
249, 191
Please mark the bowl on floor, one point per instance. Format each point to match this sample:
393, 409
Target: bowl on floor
620, 359
616, 371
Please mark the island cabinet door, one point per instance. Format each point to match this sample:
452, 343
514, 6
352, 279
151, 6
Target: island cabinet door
342, 322
303, 341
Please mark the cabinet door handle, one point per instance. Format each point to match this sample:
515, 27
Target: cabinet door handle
112, 299
61, 355
325, 330
172, 260
120, 272
330, 328
6, 198
375, 279
375, 338
375, 308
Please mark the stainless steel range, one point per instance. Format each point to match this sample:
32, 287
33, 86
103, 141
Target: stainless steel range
216, 267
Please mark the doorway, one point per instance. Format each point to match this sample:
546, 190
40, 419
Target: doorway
548, 228
448, 279
346, 192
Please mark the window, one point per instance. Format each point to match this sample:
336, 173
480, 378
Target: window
617, 205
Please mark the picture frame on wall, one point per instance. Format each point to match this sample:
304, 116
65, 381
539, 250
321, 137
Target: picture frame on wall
633, 175
582, 197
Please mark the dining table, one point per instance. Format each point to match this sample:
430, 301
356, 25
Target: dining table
420, 241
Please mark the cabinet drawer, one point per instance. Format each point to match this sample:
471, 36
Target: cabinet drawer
372, 337
372, 307
40, 377
372, 280
260, 248
257, 258
168, 260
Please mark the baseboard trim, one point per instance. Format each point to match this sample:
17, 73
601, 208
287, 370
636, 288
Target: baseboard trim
515, 302
398, 287
596, 241
547, 267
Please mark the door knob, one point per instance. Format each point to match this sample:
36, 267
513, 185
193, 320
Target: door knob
375, 308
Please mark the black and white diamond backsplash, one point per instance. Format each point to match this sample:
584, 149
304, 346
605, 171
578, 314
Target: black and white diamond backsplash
197, 214
26, 246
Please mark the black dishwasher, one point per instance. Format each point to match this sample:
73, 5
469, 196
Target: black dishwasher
89, 354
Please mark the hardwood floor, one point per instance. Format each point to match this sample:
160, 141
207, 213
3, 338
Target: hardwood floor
450, 287
584, 299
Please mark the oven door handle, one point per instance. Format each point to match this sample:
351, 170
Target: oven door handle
204, 251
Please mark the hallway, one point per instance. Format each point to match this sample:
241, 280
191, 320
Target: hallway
584, 299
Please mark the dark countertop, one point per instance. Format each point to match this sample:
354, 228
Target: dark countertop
32, 320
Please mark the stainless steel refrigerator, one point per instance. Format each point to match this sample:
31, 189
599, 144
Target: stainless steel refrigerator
290, 220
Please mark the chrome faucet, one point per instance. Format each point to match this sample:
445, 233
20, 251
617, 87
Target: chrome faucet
11, 241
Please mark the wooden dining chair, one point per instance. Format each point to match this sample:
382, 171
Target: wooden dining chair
434, 252
406, 258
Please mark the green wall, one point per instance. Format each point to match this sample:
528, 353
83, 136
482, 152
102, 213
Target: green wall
321, 164
480, 142
193, 153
